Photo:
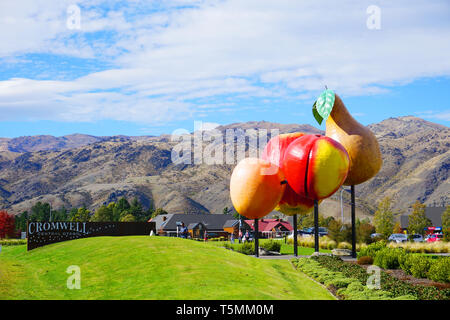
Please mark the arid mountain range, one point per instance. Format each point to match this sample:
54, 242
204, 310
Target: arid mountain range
77, 170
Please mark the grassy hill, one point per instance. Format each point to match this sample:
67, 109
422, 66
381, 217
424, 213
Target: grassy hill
141, 267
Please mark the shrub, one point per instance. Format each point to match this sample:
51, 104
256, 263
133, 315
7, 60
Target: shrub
272, 245
415, 264
13, 242
389, 258
246, 248
423, 247
398, 288
372, 249
365, 260
331, 245
344, 245
440, 270
420, 266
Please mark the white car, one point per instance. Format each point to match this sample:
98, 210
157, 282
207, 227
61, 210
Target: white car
398, 237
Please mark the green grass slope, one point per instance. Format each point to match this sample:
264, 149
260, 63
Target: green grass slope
141, 267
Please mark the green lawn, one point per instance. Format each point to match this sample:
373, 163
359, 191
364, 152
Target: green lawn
142, 267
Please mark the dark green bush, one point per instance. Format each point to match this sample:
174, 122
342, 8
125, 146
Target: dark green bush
440, 270
271, 245
387, 258
372, 249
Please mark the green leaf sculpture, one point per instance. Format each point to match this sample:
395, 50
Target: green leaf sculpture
323, 105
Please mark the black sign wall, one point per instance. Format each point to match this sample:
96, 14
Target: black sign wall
42, 233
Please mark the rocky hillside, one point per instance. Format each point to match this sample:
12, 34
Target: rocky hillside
98, 170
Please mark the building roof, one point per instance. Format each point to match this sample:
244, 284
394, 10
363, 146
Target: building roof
432, 213
269, 224
231, 223
168, 222
192, 225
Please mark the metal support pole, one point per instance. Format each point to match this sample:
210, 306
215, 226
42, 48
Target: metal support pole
316, 226
353, 223
295, 235
256, 238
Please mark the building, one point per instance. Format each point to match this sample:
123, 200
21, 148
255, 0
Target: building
232, 227
432, 213
271, 228
215, 225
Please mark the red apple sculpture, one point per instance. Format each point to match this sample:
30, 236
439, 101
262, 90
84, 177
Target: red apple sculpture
291, 203
256, 187
315, 166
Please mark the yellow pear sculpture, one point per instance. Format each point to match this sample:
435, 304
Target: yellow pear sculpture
360, 143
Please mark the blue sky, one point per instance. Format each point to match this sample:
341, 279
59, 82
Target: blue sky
150, 67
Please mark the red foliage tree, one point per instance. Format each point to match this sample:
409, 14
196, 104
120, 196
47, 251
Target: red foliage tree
6, 224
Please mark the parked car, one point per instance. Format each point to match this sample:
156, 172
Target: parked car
398, 237
376, 235
434, 237
310, 231
416, 238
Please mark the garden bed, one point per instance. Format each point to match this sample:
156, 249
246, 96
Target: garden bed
351, 280
402, 275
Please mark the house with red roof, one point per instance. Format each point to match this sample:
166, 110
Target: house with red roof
271, 228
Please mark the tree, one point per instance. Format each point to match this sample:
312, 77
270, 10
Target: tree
136, 210
123, 204
446, 223
21, 221
81, 215
397, 228
59, 215
418, 221
40, 212
158, 211
7, 225
364, 230
226, 210
384, 217
307, 220
102, 214
127, 218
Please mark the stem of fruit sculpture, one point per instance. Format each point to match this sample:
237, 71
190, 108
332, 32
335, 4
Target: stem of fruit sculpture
294, 222
316, 226
256, 238
353, 223
360, 143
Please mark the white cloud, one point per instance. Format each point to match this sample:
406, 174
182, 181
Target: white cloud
437, 115
168, 58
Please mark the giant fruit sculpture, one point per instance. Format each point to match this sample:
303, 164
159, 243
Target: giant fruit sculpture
360, 143
315, 166
291, 203
256, 187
